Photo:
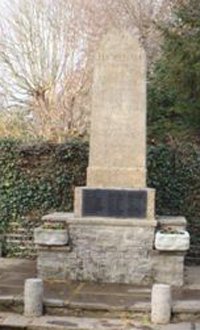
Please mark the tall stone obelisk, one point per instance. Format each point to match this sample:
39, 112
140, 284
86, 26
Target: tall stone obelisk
118, 125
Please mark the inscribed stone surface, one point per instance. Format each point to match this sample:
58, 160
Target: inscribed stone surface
118, 129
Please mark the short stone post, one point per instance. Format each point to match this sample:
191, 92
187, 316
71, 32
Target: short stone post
33, 297
161, 304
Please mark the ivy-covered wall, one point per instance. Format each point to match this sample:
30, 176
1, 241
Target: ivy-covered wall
35, 180
40, 178
175, 173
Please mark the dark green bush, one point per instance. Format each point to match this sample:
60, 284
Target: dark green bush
173, 88
174, 172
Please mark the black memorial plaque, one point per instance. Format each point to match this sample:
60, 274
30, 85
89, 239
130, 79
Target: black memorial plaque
114, 203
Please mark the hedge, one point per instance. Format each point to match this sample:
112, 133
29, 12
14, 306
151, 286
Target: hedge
40, 178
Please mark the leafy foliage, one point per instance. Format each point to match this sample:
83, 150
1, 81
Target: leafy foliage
39, 178
174, 92
174, 173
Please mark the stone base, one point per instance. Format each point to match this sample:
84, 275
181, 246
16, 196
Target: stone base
111, 251
114, 251
115, 203
51, 262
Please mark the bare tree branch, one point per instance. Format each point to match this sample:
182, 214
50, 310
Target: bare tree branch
46, 49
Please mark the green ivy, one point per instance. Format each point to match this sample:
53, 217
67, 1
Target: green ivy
174, 173
37, 179
40, 178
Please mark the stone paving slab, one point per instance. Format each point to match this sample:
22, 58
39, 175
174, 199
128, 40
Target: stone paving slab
178, 326
106, 300
8, 290
69, 323
189, 306
63, 290
83, 323
19, 265
118, 289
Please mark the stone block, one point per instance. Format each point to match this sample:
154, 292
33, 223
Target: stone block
58, 237
173, 222
168, 267
51, 262
177, 241
106, 177
115, 203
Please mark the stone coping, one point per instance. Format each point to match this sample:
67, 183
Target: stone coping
53, 248
116, 188
160, 220
172, 221
156, 252
70, 219
112, 222
57, 216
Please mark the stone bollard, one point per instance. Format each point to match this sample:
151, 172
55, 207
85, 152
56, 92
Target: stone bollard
161, 304
33, 297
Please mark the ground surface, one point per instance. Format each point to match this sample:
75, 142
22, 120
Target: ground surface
13, 273
106, 297
74, 323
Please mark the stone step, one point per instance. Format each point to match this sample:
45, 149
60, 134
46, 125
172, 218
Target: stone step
182, 310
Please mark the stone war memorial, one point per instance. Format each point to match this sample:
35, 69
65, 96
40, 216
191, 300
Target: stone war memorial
114, 236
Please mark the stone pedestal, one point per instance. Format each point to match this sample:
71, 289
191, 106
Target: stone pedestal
111, 251
168, 267
114, 251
